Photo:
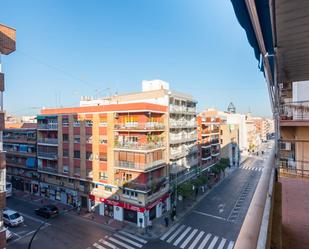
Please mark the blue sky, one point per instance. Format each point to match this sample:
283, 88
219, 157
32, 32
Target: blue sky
66, 49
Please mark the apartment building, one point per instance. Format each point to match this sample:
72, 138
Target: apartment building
294, 127
7, 46
229, 142
209, 138
21, 162
110, 157
182, 149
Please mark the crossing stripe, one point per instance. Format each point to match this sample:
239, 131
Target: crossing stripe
108, 244
199, 236
133, 237
222, 243
128, 240
169, 232
120, 243
231, 245
182, 236
204, 242
188, 239
213, 242
98, 246
175, 234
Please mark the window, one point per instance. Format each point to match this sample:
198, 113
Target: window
103, 157
65, 137
130, 193
103, 140
221, 132
76, 123
108, 188
89, 156
76, 170
65, 122
88, 139
103, 121
65, 152
77, 139
221, 141
65, 169
76, 154
89, 123
89, 173
103, 175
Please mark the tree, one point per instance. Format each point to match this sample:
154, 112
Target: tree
185, 189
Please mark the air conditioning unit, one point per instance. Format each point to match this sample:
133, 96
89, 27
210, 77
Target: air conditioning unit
285, 146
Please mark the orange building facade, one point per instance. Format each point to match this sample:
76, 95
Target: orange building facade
109, 158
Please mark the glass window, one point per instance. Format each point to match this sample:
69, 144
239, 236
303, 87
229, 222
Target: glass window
76, 154
77, 139
65, 169
76, 170
65, 152
89, 156
103, 175
65, 137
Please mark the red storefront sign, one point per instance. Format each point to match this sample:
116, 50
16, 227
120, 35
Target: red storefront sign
129, 206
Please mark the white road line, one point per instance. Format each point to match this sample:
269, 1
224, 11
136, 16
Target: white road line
198, 237
98, 246
133, 237
108, 244
128, 240
231, 245
169, 232
175, 234
204, 242
222, 243
255, 168
183, 245
182, 236
210, 215
120, 243
213, 242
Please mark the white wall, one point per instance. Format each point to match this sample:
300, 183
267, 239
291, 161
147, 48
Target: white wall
301, 91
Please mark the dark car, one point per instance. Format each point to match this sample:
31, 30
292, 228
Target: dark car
47, 211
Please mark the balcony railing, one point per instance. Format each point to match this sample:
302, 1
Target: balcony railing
214, 141
48, 141
174, 154
51, 126
47, 169
182, 124
48, 155
138, 166
182, 109
292, 167
140, 126
139, 146
298, 110
182, 138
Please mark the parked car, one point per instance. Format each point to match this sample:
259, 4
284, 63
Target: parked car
12, 218
47, 211
8, 234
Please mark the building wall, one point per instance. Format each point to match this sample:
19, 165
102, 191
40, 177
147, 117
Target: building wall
229, 142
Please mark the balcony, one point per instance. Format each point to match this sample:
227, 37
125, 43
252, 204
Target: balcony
205, 144
20, 153
182, 124
139, 166
19, 139
215, 153
175, 139
135, 126
47, 169
50, 126
48, 155
139, 146
182, 109
294, 113
175, 154
48, 141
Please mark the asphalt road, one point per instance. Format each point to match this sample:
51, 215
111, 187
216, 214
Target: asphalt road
214, 223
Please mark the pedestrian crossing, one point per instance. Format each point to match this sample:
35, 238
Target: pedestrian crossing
120, 240
187, 237
251, 168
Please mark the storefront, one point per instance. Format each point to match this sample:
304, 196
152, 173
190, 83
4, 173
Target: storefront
126, 212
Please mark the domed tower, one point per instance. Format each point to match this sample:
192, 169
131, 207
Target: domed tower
231, 108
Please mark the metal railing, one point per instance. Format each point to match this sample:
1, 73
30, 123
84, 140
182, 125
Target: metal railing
292, 167
139, 146
48, 140
50, 155
296, 110
138, 166
140, 126
51, 126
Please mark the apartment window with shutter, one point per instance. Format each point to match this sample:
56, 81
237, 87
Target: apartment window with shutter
65, 169
76, 154
65, 152
65, 137
77, 139
103, 175
89, 156
103, 121
88, 139
65, 122
89, 123
76, 170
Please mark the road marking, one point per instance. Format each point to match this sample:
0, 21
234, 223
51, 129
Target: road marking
210, 215
108, 244
182, 236
199, 236
128, 240
204, 242
98, 246
230, 246
188, 239
120, 243
222, 243
175, 234
213, 242
169, 232
133, 237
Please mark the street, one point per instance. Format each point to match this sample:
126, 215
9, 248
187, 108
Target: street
213, 223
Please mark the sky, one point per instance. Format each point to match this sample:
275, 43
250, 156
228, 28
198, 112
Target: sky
67, 49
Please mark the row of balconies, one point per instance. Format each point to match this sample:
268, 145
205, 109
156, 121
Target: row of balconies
182, 109
51, 141
180, 138
138, 166
182, 124
139, 146
140, 126
49, 126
